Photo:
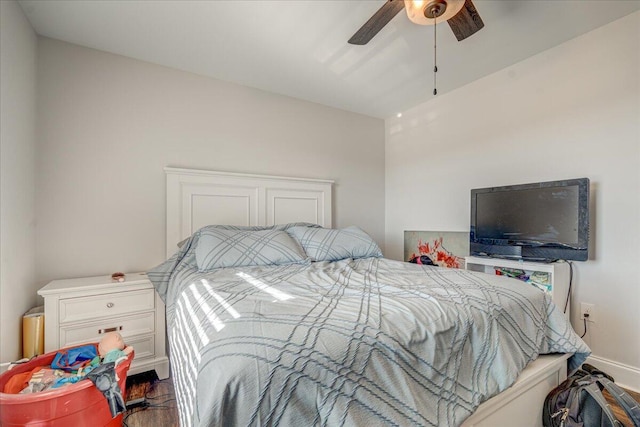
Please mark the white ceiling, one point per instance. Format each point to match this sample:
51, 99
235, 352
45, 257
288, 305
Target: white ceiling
299, 48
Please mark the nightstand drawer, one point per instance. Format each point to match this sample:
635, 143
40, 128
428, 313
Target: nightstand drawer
127, 326
143, 346
105, 305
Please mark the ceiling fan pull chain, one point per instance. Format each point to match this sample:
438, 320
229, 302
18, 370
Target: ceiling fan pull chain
435, 64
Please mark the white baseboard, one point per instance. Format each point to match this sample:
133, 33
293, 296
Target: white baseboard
626, 376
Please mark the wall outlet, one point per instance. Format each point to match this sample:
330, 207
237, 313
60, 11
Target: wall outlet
589, 310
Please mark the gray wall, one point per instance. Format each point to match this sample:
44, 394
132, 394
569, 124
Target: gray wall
18, 55
108, 125
569, 112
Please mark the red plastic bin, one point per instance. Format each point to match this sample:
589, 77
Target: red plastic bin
79, 404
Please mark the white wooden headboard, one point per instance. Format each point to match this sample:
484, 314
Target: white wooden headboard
196, 198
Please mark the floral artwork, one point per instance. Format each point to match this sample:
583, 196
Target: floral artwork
439, 248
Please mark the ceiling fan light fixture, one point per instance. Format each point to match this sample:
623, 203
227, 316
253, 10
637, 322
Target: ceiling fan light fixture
426, 12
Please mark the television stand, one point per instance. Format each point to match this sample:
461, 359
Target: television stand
516, 258
550, 277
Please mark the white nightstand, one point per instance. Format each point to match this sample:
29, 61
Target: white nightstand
81, 310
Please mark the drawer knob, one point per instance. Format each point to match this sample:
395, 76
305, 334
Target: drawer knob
109, 304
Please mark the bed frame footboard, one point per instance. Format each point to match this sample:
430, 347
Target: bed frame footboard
521, 404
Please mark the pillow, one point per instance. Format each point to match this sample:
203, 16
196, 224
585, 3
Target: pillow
325, 244
252, 228
218, 248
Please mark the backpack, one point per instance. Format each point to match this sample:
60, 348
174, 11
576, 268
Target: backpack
578, 401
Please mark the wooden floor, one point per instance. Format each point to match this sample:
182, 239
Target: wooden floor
162, 410
618, 411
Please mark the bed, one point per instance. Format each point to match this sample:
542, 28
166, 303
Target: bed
301, 324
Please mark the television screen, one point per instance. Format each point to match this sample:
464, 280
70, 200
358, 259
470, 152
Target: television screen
532, 220
538, 214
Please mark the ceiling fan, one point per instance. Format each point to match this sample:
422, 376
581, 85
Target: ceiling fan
462, 16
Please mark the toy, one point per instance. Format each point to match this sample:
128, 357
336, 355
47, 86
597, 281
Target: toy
112, 347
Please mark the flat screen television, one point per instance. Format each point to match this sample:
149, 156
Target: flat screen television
544, 221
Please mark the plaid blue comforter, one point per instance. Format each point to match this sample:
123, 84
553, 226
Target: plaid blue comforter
350, 343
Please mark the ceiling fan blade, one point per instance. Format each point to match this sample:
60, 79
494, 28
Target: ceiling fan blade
377, 22
466, 22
